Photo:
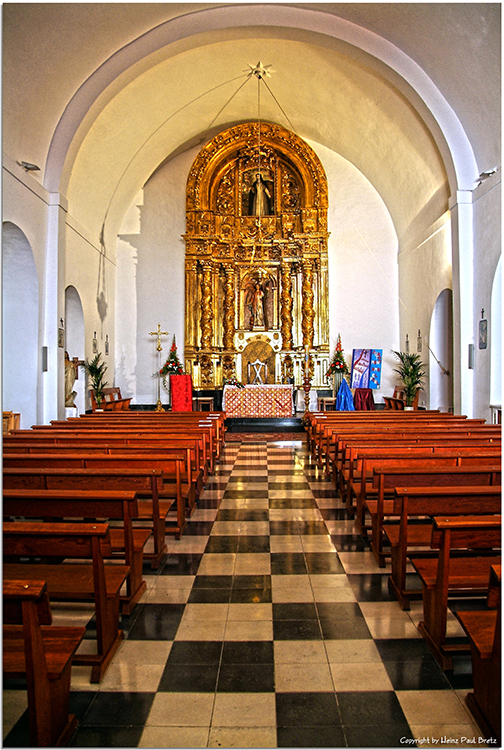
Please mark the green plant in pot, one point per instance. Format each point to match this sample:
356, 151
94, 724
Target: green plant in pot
411, 372
95, 370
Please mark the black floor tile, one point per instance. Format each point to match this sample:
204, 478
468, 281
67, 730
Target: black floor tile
245, 494
370, 709
222, 544
181, 565
246, 678
349, 543
284, 527
104, 736
309, 528
254, 544
371, 587
288, 563
209, 596
306, 611
403, 649
189, 678
331, 736
118, 710
339, 611
250, 596
390, 735
248, 652
334, 514
198, 528
299, 503
212, 582
307, 710
416, 675
230, 514
251, 582
156, 622
323, 563
348, 629
195, 652
296, 630
284, 484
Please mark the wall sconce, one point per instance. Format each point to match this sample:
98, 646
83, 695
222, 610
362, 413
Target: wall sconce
419, 342
407, 344
470, 363
106, 344
61, 334
28, 167
95, 344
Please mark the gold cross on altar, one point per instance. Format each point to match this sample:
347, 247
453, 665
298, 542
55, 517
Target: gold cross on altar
158, 333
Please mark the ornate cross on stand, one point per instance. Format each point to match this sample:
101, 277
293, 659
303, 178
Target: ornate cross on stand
159, 349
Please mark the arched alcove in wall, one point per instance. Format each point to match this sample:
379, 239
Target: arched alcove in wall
441, 342
75, 341
496, 339
20, 325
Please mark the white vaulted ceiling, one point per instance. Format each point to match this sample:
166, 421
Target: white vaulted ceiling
100, 95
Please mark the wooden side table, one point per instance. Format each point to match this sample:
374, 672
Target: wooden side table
326, 403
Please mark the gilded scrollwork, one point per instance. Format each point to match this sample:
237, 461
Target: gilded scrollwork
281, 235
286, 307
308, 313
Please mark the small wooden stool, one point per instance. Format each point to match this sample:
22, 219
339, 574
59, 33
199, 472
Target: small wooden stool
327, 403
204, 403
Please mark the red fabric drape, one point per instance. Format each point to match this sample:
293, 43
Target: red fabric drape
363, 399
181, 392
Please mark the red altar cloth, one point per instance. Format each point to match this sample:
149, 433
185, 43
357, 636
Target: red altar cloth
181, 392
363, 399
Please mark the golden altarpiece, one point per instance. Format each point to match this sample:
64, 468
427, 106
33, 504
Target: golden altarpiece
256, 278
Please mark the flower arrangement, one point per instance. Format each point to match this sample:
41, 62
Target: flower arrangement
172, 366
234, 381
337, 363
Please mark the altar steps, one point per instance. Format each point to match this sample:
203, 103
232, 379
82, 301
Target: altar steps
270, 424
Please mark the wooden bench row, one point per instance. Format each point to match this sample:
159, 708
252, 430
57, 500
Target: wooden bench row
42, 653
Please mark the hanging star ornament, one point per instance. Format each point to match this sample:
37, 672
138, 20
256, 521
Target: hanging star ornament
259, 70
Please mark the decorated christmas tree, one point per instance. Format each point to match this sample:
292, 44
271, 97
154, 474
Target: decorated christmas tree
337, 364
172, 366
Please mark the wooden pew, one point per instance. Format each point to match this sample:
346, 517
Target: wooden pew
42, 653
391, 478
195, 446
145, 482
484, 632
76, 581
363, 486
414, 503
442, 439
133, 433
172, 467
447, 575
127, 543
351, 472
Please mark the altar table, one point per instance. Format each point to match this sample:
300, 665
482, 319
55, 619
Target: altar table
258, 401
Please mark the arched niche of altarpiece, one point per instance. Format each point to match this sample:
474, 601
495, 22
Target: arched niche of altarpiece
256, 286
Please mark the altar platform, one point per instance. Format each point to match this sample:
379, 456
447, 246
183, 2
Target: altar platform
286, 424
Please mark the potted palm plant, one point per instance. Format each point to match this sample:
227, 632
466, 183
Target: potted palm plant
411, 372
95, 370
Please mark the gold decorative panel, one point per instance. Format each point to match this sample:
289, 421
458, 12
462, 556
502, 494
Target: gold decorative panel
256, 251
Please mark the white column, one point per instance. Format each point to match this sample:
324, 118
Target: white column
463, 304
53, 388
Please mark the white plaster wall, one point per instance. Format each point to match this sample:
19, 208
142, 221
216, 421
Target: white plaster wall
363, 283
25, 206
93, 276
424, 271
363, 302
487, 251
150, 279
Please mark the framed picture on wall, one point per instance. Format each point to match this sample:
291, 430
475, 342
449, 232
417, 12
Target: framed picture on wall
483, 334
366, 368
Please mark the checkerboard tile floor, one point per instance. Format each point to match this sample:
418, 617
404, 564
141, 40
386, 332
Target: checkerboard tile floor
269, 625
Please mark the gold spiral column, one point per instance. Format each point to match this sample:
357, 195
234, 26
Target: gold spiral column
206, 320
286, 307
229, 308
307, 311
